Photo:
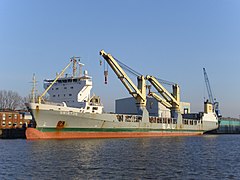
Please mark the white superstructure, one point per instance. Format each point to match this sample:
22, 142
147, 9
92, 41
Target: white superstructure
74, 91
70, 90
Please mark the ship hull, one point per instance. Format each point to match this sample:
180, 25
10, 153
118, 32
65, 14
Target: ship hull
54, 122
35, 134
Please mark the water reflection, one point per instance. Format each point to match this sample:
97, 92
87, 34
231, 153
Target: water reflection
203, 157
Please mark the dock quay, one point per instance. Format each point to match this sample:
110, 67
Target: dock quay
227, 125
10, 133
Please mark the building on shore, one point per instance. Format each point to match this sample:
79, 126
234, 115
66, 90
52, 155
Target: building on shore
13, 124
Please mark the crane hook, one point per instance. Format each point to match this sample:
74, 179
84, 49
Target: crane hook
105, 76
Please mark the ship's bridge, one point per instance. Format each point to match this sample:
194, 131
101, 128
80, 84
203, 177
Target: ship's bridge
71, 90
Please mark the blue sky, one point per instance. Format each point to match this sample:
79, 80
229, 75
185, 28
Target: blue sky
170, 39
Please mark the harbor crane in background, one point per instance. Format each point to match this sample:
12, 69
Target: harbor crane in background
210, 95
171, 101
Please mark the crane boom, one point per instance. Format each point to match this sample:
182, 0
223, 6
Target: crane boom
160, 99
175, 101
210, 96
139, 93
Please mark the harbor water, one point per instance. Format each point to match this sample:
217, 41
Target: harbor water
201, 157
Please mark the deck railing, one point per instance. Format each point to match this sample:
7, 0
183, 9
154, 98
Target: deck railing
152, 119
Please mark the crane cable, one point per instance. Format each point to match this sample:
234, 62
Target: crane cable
135, 73
127, 68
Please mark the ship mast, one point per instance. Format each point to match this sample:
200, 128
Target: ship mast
33, 88
80, 68
76, 60
74, 66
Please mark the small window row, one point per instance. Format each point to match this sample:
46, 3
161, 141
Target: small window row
10, 116
10, 123
63, 95
64, 88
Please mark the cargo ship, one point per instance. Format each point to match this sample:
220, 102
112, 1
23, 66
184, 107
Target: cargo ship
73, 113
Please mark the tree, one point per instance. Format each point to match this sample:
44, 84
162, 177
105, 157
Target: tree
10, 100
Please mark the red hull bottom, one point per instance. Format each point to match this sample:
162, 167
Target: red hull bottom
34, 134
